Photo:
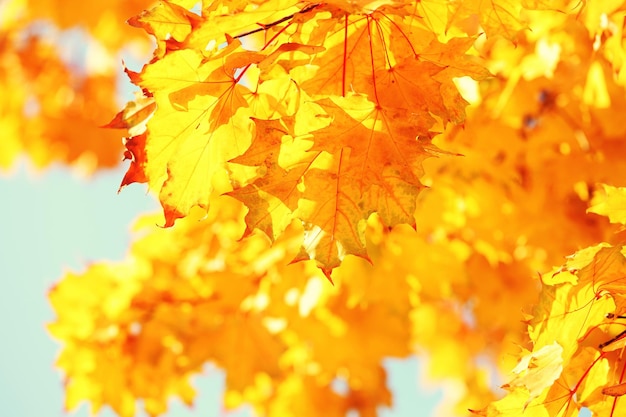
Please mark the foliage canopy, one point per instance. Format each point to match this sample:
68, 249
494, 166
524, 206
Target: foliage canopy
456, 150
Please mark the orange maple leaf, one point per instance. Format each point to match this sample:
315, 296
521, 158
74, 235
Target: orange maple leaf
350, 172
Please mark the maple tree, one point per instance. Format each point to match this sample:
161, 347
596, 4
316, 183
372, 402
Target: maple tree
456, 151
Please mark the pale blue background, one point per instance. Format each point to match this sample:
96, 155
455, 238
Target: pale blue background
55, 221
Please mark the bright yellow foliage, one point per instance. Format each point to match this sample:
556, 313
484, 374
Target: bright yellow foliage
460, 149
610, 201
365, 86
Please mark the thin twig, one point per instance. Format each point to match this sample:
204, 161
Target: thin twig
269, 25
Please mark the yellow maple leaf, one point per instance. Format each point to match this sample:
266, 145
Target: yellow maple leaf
611, 202
538, 370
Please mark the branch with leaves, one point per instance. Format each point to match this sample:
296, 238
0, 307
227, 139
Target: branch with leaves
456, 149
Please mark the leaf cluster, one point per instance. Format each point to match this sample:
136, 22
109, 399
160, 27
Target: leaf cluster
319, 114
306, 132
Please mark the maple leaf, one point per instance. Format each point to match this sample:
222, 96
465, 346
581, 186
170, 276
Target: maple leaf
494, 17
378, 165
225, 19
201, 114
134, 116
135, 152
538, 370
611, 203
497, 17
351, 171
271, 198
167, 22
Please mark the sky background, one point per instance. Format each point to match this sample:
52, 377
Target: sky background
55, 221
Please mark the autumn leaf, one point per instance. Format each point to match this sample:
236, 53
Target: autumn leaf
494, 17
611, 202
135, 152
272, 198
167, 22
134, 116
538, 370
208, 126
330, 200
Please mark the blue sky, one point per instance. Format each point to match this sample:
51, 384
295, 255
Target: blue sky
55, 221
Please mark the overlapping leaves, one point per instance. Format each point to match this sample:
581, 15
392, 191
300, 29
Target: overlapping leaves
235, 304
359, 90
576, 355
317, 115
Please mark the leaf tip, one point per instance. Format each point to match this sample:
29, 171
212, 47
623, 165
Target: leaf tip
171, 215
328, 272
